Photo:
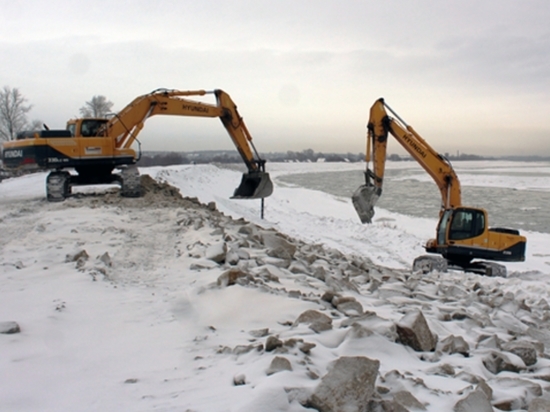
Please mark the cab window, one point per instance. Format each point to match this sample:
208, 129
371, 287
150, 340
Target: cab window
71, 128
466, 224
442, 229
90, 127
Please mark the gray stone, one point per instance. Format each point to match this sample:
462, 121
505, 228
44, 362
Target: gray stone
199, 264
216, 252
475, 401
279, 364
489, 342
106, 259
319, 327
272, 343
80, 258
384, 405
242, 349
9, 328
358, 331
77, 256
525, 350
232, 276
248, 229
277, 246
232, 257
516, 393
259, 333
442, 370
413, 331
347, 305
455, 344
350, 308
486, 389
306, 347
298, 268
239, 380
311, 316
407, 400
497, 362
348, 385
539, 405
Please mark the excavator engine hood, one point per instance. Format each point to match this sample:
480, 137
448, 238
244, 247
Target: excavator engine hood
254, 185
364, 199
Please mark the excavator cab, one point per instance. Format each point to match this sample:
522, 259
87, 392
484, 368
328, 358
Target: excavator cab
463, 235
460, 224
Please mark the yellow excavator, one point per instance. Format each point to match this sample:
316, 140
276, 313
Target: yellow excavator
463, 233
94, 147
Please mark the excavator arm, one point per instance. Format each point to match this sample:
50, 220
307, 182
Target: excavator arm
126, 125
437, 166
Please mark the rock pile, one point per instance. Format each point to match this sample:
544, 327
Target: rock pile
463, 329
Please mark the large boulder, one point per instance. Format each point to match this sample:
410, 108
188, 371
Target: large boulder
279, 364
413, 331
455, 344
475, 401
277, 246
348, 385
318, 322
525, 350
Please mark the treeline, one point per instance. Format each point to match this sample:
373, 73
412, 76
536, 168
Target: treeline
308, 155
203, 157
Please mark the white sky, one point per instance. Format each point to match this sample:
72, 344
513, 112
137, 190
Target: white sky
470, 76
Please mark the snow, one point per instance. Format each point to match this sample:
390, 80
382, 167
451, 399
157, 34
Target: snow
133, 327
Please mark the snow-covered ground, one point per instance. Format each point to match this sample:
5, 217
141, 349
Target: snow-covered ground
120, 307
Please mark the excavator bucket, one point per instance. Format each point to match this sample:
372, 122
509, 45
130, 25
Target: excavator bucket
254, 185
364, 199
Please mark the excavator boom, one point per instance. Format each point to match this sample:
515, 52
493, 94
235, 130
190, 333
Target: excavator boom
437, 166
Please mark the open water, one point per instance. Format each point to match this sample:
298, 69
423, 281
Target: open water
523, 209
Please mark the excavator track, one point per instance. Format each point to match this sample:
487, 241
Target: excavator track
490, 269
130, 182
58, 186
429, 263
432, 263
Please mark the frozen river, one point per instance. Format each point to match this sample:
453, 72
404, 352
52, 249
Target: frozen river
515, 194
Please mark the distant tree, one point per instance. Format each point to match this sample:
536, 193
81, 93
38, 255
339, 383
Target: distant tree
35, 125
13, 113
99, 106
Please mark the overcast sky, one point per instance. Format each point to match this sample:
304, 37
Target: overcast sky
469, 75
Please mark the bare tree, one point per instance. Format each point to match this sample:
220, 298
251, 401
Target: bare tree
13, 113
99, 106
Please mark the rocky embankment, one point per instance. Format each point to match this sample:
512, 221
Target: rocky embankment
374, 339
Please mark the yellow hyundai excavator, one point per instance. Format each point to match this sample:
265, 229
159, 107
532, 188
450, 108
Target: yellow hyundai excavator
463, 233
94, 148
